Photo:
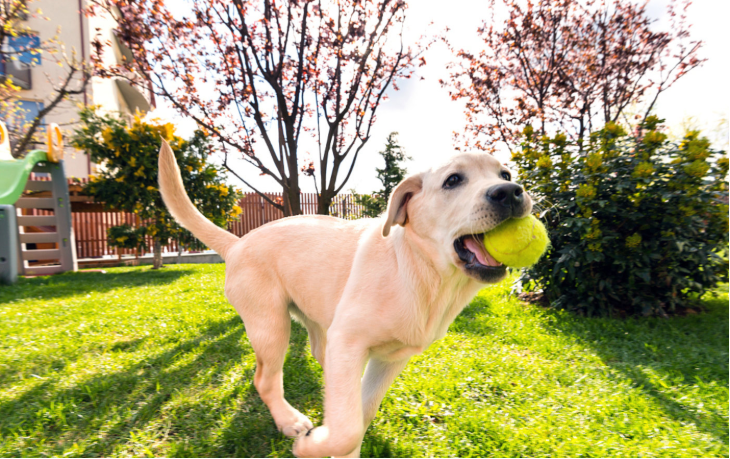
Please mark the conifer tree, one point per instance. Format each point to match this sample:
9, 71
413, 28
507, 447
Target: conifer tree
390, 176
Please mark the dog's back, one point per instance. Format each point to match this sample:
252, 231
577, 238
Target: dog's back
305, 259
308, 256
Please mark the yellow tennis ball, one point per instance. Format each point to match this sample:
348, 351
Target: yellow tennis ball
518, 242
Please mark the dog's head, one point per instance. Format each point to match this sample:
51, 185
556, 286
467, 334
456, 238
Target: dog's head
448, 210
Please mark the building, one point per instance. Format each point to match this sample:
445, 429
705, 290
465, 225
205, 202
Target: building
37, 76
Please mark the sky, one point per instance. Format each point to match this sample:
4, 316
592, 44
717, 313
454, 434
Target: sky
425, 116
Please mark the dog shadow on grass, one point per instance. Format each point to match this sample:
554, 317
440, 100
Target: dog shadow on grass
195, 399
252, 432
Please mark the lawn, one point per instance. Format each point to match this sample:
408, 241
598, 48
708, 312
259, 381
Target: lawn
142, 363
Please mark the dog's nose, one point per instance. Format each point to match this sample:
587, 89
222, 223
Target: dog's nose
506, 194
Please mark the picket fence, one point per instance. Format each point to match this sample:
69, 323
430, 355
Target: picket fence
91, 223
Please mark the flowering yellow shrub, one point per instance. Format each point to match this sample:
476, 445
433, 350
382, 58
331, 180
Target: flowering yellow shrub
636, 223
594, 161
128, 179
633, 241
643, 169
586, 191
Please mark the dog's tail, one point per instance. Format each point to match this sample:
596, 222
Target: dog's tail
180, 206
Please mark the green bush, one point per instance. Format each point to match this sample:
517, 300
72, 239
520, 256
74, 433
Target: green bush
127, 237
637, 224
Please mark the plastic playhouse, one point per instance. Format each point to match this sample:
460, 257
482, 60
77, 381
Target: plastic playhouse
25, 239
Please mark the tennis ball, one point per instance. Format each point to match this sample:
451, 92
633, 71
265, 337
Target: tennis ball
518, 242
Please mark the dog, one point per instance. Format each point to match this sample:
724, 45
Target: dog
371, 293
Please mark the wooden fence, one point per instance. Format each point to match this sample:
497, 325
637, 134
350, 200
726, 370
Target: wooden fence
257, 211
90, 221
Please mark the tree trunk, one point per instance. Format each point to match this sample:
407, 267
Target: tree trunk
291, 202
295, 203
324, 202
157, 260
581, 132
179, 253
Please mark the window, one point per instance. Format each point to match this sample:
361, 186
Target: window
31, 109
20, 55
19, 118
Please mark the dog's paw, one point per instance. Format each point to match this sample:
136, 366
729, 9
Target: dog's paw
306, 446
295, 425
321, 442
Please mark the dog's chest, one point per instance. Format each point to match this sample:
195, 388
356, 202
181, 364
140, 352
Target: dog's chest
418, 337
445, 307
405, 347
395, 351
398, 350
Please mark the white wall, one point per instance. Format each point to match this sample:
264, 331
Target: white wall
75, 31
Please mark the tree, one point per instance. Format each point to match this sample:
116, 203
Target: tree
272, 71
27, 53
568, 65
127, 180
390, 176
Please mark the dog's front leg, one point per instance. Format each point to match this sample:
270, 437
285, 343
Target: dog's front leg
379, 375
342, 429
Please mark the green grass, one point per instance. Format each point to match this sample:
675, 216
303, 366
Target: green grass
142, 363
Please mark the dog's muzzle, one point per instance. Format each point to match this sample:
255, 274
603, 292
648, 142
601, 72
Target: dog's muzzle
478, 263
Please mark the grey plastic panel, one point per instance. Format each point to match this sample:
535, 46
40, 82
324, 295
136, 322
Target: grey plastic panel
8, 245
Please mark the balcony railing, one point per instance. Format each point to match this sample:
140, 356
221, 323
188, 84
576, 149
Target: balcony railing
136, 98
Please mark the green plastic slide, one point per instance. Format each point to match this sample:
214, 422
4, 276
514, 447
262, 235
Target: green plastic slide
19, 253
14, 174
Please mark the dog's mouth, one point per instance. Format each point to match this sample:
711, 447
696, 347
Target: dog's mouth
478, 262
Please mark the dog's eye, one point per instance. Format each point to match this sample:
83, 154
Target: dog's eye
453, 181
506, 175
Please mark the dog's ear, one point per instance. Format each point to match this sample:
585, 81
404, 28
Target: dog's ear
397, 212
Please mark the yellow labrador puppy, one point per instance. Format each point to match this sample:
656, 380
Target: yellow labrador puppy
371, 291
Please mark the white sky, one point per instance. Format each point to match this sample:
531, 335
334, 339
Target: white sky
425, 116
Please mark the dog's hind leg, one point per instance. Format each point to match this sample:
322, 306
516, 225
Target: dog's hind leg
318, 342
268, 326
317, 336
